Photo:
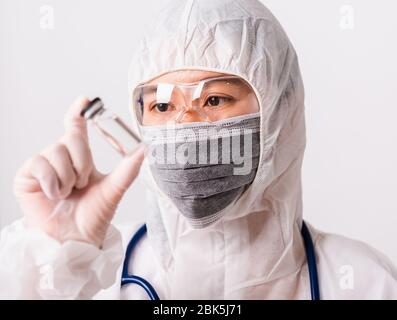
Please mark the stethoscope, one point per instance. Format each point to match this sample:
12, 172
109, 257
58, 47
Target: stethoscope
126, 278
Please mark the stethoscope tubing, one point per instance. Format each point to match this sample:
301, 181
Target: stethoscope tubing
126, 278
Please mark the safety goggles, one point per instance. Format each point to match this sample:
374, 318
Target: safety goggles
209, 100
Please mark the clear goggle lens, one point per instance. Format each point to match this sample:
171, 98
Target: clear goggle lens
207, 100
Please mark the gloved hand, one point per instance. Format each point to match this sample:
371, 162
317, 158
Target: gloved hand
61, 192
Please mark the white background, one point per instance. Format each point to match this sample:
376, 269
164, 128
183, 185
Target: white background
350, 174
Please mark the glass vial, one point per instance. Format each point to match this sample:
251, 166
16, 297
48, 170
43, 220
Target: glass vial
111, 127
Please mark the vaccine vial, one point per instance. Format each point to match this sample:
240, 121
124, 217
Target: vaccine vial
111, 127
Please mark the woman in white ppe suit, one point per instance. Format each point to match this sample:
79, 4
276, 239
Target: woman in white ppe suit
253, 250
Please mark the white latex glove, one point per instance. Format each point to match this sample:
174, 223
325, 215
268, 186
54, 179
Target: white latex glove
61, 192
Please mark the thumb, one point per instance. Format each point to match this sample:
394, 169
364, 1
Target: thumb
73, 122
116, 183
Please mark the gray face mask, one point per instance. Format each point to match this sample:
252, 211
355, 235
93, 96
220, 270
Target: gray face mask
204, 167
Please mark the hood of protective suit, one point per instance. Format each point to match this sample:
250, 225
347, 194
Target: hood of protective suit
255, 251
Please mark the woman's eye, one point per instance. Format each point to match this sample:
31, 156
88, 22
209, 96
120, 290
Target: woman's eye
216, 101
161, 107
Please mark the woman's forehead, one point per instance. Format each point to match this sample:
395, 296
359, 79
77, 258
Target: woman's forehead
185, 76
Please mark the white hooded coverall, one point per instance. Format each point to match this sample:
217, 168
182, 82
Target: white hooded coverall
255, 251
